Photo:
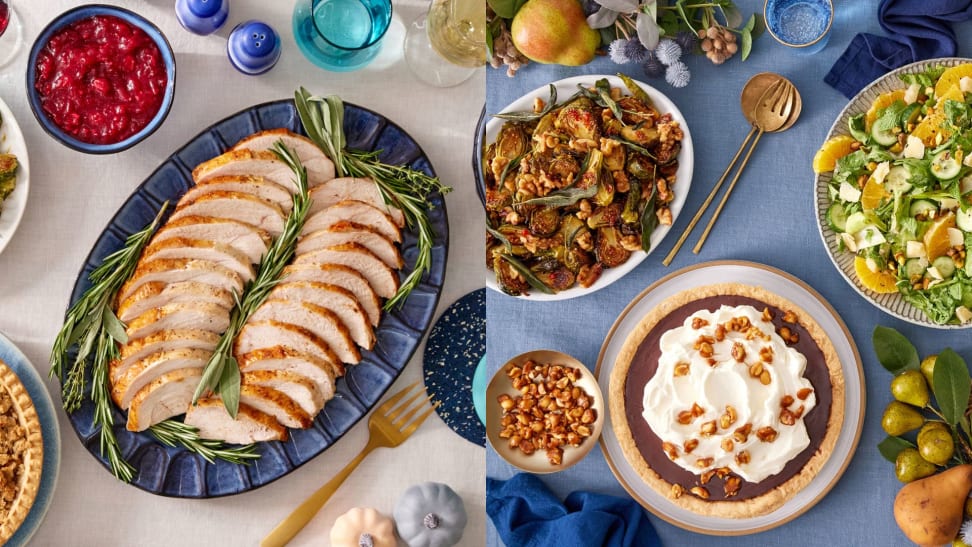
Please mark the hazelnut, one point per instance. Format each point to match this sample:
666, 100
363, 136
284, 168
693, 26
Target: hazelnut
708, 428
690, 445
741, 434
798, 413
720, 333
786, 401
756, 370
766, 354
804, 393
707, 476
705, 349
685, 417
731, 486
789, 317
738, 352
742, 458
670, 450
787, 417
697, 410
727, 444
681, 369
767, 314
698, 323
765, 378
702, 463
677, 491
766, 434
723, 472
700, 492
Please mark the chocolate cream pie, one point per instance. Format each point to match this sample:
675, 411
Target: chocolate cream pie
21, 453
727, 399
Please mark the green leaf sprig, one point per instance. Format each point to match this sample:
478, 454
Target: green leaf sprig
950, 385
401, 187
175, 433
221, 374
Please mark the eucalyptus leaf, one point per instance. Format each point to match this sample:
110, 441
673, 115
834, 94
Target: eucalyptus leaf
648, 31
114, 326
893, 350
523, 270
229, 386
731, 14
602, 18
622, 6
951, 385
890, 447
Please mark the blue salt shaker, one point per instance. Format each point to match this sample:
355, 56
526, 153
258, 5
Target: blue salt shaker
202, 16
253, 47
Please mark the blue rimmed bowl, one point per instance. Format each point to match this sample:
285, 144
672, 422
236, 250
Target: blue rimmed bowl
77, 14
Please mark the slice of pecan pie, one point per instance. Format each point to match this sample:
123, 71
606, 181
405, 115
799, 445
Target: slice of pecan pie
727, 399
21, 452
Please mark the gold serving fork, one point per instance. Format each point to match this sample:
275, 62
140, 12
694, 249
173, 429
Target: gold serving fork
390, 425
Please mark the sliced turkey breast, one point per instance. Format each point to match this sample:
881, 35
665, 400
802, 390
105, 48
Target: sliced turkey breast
300, 389
320, 168
237, 206
361, 189
382, 279
164, 397
178, 270
151, 367
156, 294
341, 276
209, 416
337, 299
320, 371
349, 232
276, 404
258, 186
203, 249
248, 163
355, 211
165, 340
267, 334
179, 316
249, 240
320, 321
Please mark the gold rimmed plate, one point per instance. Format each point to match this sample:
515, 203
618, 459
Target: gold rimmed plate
800, 294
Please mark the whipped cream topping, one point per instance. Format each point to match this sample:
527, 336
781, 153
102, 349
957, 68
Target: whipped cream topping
729, 393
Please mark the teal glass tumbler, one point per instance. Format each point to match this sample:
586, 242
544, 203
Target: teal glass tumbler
341, 35
803, 25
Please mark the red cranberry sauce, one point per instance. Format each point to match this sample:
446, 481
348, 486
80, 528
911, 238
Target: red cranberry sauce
100, 79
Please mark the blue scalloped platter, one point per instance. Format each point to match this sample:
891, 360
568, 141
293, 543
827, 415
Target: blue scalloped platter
176, 472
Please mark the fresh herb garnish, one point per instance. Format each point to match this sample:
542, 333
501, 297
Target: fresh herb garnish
407, 189
529, 115
173, 433
222, 373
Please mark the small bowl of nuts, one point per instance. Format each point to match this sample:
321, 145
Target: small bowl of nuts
544, 411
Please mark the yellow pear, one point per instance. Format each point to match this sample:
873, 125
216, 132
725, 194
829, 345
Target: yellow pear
554, 32
929, 510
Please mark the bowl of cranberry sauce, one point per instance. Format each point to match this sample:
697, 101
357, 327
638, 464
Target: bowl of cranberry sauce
100, 78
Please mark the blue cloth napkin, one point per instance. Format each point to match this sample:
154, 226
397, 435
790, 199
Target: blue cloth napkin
527, 514
919, 29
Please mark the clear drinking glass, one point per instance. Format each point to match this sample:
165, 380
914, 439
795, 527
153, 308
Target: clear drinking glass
446, 46
11, 35
341, 35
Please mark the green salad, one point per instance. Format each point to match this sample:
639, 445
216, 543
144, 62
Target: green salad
901, 192
8, 173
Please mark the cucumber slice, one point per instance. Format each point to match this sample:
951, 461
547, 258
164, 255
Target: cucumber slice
837, 217
945, 266
855, 222
944, 166
923, 207
897, 179
963, 219
915, 267
883, 136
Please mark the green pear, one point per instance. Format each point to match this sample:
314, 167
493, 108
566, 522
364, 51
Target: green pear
900, 418
909, 466
554, 32
910, 387
928, 368
935, 443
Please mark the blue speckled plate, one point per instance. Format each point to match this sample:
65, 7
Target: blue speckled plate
179, 473
17, 361
455, 347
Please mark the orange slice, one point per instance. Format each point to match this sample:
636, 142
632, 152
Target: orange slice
951, 77
882, 101
835, 148
879, 282
936, 238
872, 195
930, 127
953, 93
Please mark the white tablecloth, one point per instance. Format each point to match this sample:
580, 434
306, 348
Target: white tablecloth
72, 197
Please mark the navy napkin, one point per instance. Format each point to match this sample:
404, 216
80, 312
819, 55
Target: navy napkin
527, 514
919, 29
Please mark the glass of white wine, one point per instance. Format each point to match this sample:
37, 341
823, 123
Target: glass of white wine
447, 45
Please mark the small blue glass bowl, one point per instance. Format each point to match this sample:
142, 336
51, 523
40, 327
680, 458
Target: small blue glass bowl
77, 14
800, 24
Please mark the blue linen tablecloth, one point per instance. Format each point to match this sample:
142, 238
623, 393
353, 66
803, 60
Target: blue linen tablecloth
769, 219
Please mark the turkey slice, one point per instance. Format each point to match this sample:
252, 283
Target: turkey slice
203, 249
164, 340
360, 189
178, 270
164, 397
249, 240
299, 388
258, 186
341, 276
320, 168
267, 334
355, 211
248, 163
382, 279
337, 299
320, 321
151, 367
179, 316
209, 416
156, 294
235, 206
320, 371
350, 232
276, 404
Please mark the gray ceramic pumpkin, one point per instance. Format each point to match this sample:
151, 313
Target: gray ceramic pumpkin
430, 515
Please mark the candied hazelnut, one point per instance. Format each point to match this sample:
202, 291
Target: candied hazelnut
804, 393
700, 492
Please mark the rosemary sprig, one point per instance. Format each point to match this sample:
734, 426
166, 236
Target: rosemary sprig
174, 433
401, 187
222, 373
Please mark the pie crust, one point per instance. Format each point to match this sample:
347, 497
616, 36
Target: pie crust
732, 508
21, 453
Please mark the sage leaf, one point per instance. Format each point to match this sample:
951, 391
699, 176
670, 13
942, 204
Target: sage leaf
529, 115
649, 220
499, 236
527, 274
890, 447
893, 350
114, 326
229, 386
636, 91
604, 92
951, 385
563, 198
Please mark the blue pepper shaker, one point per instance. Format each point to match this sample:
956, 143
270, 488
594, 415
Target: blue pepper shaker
202, 16
253, 47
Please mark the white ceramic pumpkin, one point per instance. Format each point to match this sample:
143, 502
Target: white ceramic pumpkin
430, 515
363, 527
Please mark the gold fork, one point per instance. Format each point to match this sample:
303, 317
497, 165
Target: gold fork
389, 425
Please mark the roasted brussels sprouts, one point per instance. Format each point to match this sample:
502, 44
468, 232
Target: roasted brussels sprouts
509, 280
512, 141
608, 248
609, 215
554, 275
579, 119
545, 221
